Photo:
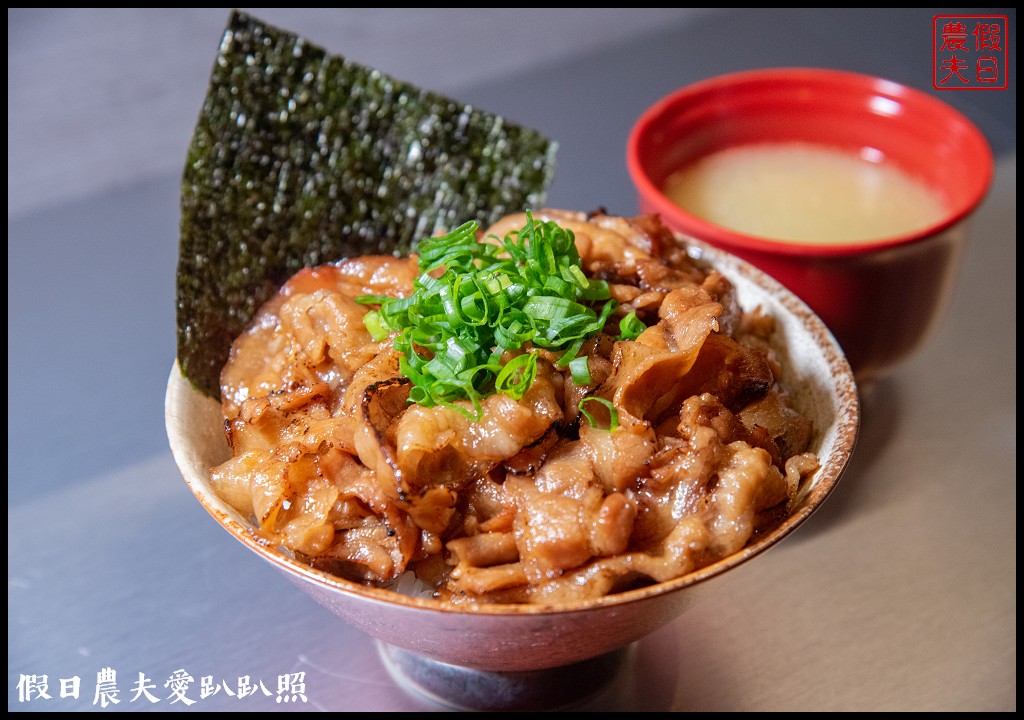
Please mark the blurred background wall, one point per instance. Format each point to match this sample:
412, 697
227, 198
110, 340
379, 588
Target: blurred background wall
98, 98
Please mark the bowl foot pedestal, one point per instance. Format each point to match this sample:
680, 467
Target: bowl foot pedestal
467, 688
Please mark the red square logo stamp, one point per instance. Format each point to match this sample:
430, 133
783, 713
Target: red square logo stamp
970, 52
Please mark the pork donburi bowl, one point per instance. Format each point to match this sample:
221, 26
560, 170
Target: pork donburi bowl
556, 409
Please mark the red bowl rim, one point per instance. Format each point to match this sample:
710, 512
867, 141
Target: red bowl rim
701, 229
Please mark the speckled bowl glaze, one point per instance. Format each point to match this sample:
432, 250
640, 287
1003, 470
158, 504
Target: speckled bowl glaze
510, 640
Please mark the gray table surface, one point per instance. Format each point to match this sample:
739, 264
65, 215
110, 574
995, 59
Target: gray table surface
899, 594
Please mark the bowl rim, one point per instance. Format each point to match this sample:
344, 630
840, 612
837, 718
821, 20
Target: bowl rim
834, 80
847, 425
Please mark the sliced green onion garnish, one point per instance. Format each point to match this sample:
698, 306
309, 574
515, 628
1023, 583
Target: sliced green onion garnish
375, 325
517, 375
613, 414
580, 370
500, 295
630, 327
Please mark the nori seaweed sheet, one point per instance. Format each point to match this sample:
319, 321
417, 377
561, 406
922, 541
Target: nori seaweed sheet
302, 157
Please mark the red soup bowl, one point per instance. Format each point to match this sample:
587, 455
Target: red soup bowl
881, 297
